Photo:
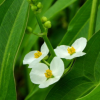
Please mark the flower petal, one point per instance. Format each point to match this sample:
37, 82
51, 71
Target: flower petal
57, 67
77, 54
37, 75
80, 44
48, 82
33, 64
37, 60
29, 57
61, 51
44, 48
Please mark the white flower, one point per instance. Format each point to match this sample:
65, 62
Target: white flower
44, 76
36, 56
75, 50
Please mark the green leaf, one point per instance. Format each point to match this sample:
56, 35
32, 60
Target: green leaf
12, 28
93, 95
37, 91
1, 2
79, 25
4, 8
57, 7
83, 77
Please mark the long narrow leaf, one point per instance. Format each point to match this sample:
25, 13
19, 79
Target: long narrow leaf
11, 34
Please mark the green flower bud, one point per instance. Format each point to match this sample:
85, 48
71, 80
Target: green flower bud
29, 29
33, 7
44, 19
47, 24
39, 5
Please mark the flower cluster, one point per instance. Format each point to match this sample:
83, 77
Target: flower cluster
46, 75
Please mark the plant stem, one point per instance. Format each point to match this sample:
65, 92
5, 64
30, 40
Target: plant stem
67, 69
50, 58
93, 18
40, 23
46, 63
49, 45
45, 36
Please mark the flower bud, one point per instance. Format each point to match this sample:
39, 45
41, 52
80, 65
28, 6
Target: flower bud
47, 24
44, 19
29, 29
39, 5
33, 7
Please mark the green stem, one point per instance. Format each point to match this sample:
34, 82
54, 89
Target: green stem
50, 58
67, 69
40, 23
49, 45
46, 63
45, 36
93, 18
39, 34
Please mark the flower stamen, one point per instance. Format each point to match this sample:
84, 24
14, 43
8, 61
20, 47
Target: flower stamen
48, 73
37, 54
71, 50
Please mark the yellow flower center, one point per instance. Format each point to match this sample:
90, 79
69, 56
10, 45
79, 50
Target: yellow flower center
37, 54
48, 73
71, 50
